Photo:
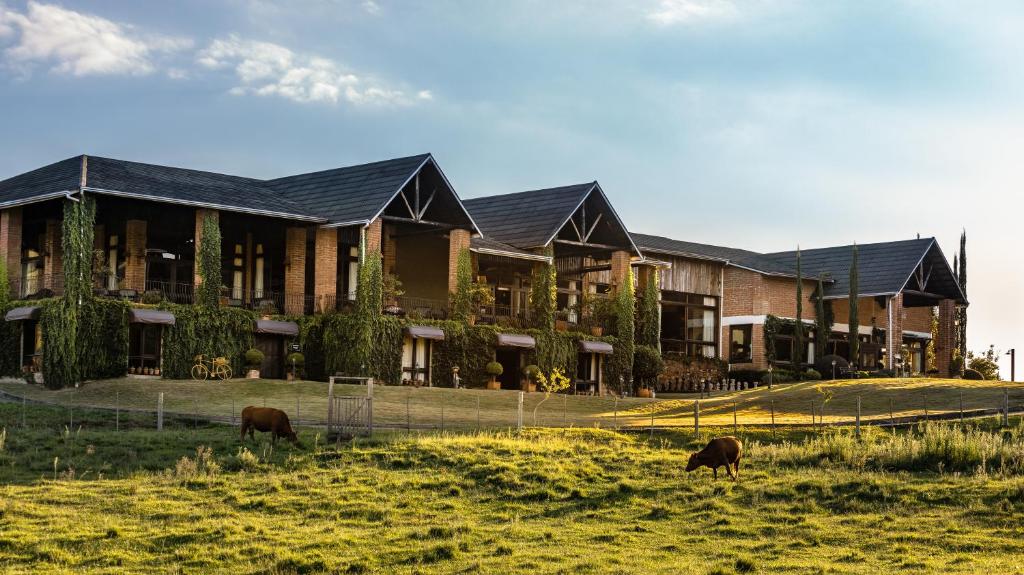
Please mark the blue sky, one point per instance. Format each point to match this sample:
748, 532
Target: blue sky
758, 124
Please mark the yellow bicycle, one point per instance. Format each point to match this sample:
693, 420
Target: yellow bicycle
218, 367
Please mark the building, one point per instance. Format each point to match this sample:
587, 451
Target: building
292, 246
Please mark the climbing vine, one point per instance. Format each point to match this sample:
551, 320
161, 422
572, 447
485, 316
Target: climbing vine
648, 319
620, 366
544, 294
462, 305
369, 307
208, 291
220, 331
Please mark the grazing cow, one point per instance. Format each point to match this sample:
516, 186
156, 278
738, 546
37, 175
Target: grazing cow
265, 419
718, 452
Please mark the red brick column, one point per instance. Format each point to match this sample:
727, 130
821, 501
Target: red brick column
373, 236
620, 268
390, 250
894, 333
295, 271
945, 340
53, 262
201, 214
325, 268
135, 255
10, 246
458, 240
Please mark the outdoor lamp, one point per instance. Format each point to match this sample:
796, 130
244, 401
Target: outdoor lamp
833, 369
770, 376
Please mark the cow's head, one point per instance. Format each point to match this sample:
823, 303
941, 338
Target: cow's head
694, 462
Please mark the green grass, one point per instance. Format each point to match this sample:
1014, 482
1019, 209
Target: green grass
465, 409
936, 499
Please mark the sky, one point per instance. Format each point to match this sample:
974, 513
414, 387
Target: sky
760, 124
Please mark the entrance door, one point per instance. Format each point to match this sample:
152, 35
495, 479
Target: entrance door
509, 359
272, 347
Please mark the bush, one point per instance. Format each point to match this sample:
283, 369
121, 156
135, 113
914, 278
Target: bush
253, 358
494, 368
812, 375
973, 375
749, 375
530, 372
647, 364
824, 366
296, 358
778, 376
152, 297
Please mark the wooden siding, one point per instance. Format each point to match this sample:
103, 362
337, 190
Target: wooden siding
691, 276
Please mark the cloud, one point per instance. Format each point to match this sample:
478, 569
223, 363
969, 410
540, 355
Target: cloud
371, 7
671, 12
267, 69
80, 44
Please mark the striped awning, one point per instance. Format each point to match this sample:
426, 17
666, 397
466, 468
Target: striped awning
516, 340
151, 316
277, 327
596, 347
425, 332
20, 313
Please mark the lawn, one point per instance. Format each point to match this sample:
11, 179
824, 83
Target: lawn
469, 409
936, 500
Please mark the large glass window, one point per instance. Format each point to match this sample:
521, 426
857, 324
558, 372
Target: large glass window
739, 343
689, 324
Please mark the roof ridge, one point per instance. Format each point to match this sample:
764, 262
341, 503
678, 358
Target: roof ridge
423, 156
167, 167
551, 189
859, 245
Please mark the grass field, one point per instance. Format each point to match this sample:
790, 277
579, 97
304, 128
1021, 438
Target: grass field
938, 500
465, 409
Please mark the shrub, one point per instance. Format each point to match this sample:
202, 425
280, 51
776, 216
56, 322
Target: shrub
824, 366
647, 364
267, 307
530, 372
973, 374
253, 358
749, 375
152, 297
812, 375
778, 376
494, 368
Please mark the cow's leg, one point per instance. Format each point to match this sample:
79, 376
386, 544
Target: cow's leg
245, 428
728, 468
737, 469
714, 470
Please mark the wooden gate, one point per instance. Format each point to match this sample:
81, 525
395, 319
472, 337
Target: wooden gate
349, 415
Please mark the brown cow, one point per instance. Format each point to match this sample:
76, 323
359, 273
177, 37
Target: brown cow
718, 452
265, 419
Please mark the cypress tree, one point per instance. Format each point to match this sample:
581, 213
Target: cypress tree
648, 320
823, 323
798, 339
544, 294
962, 278
854, 321
208, 292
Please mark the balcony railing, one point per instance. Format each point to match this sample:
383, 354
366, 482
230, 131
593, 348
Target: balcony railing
38, 286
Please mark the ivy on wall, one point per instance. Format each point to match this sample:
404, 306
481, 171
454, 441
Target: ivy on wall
462, 299
544, 294
648, 318
369, 306
10, 342
208, 292
620, 366
220, 331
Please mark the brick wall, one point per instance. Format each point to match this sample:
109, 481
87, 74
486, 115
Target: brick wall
390, 247
53, 263
200, 216
325, 267
10, 243
373, 236
620, 267
946, 337
458, 240
135, 255
295, 271
894, 337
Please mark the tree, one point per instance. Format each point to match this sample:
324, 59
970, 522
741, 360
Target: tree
648, 328
208, 292
544, 295
823, 321
854, 320
798, 329
962, 278
987, 363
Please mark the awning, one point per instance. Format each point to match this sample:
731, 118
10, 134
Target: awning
425, 332
151, 316
20, 313
277, 327
595, 347
516, 340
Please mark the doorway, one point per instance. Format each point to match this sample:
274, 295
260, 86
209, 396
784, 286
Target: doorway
509, 358
272, 347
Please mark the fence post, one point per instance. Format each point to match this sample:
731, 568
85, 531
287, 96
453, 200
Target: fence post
233, 412
696, 417
330, 405
773, 417
565, 399
813, 428
408, 411
117, 411
961, 408
652, 420
369, 407
858, 417
926, 407
1006, 407
298, 405
71, 417
735, 427
478, 414
519, 413
892, 419
160, 412
23, 424
615, 416
195, 414
442, 411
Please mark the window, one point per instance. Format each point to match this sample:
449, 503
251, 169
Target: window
567, 298
237, 276
739, 343
353, 273
31, 272
144, 347
689, 324
416, 358
259, 271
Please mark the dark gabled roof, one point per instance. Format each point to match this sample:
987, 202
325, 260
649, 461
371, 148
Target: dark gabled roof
350, 195
527, 219
493, 247
734, 256
52, 181
190, 187
882, 268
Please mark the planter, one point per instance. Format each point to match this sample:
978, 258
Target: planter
252, 374
471, 320
38, 376
156, 371
223, 300
561, 325
528, 386
596, 331
643, 392
494, 384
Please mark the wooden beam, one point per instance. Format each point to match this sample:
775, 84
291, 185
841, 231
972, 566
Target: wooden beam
924, 294
400, 219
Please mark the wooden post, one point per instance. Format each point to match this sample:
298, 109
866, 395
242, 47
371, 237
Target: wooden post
652, 420
369, 406
735, 425
328, 411
330, 404
117, 411
858, 417
696, 417
892, 419
71, 417
961, 408
519, 413
23, 423
408, 411
298, 404
442, 411
812, 416
160, 412
565, 399
478, 414
195, 414
926, 407
615, 416
773, 418
1006, 407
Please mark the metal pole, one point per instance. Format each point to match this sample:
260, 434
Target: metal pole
735, 428
519, 413
1006, 407
773, 418
858, 417
615, 417
117, 411
696, 417
160, 412
478, 414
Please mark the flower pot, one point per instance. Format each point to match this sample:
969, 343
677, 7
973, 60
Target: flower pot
493, 384
561, 325
252, 374
471, 320
290, 376
156, 371
528, 386
596, 330
643, 392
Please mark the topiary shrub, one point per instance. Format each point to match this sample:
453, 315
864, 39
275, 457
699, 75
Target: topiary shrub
152, 297
295, 358
973, 375
530, 372
813, 374
824, 366
495, 369
253, 358
647, 364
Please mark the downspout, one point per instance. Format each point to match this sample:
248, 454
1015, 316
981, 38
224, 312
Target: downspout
888, 335
721, 301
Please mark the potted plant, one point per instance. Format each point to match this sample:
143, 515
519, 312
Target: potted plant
494, 369
267, 309
601, 311
295, 360
253, 360
562, 320
529, 383
224, 299
647, 366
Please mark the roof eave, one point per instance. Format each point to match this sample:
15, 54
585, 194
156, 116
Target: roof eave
222, 207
